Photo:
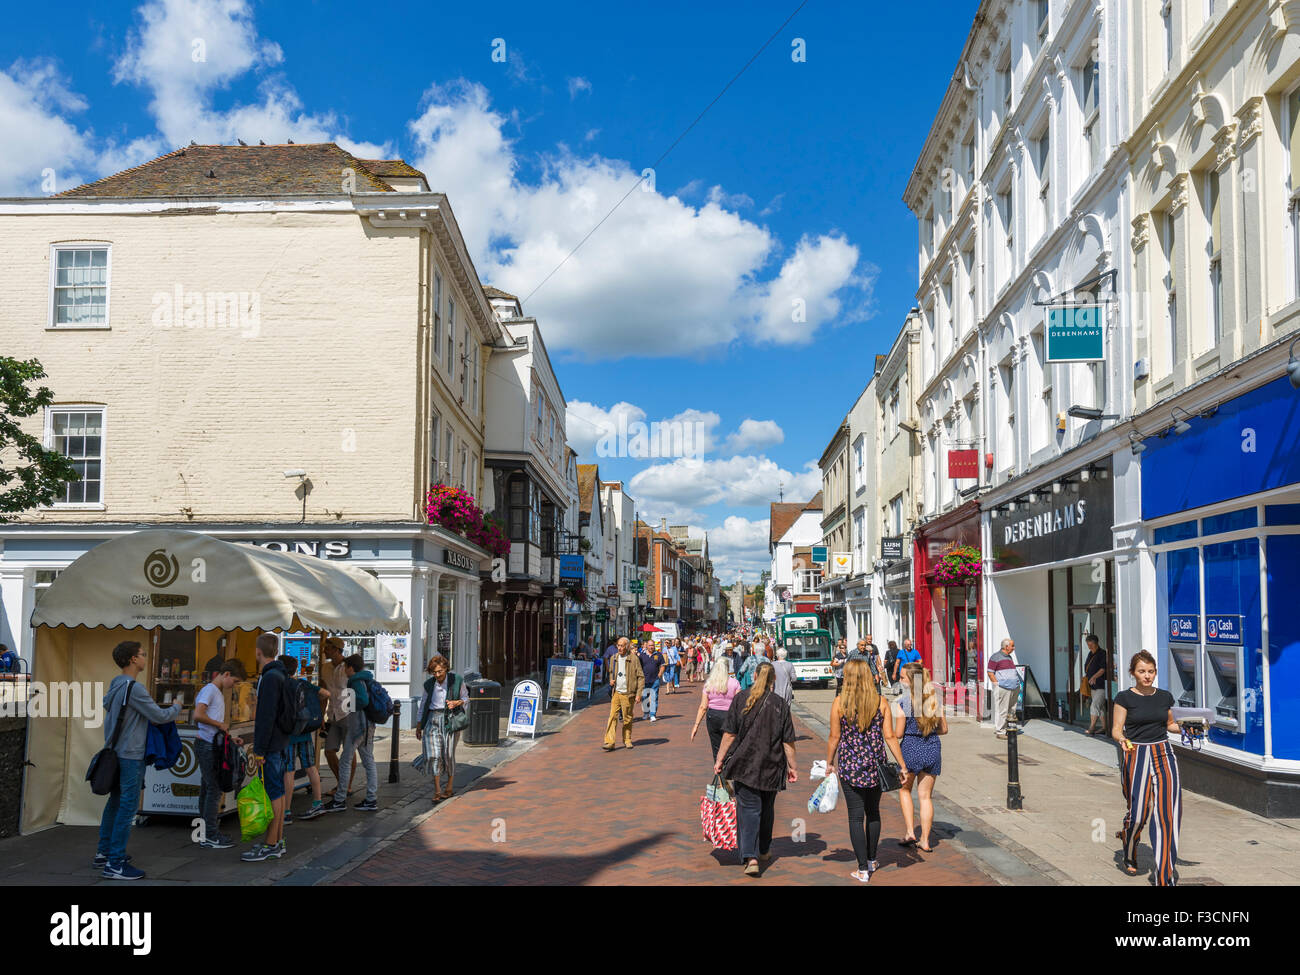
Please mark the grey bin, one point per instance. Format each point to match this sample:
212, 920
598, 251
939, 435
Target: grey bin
484, 712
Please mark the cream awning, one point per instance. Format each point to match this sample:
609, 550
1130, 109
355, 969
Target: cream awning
189, 580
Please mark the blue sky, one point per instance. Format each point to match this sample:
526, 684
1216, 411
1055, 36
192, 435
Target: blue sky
786, 194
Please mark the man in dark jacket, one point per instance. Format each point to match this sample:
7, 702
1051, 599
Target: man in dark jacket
269, 744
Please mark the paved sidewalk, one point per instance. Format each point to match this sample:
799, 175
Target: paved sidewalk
317, 849
1073, 807
567, 812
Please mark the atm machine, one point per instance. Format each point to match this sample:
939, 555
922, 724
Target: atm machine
1223, 686
1183, 683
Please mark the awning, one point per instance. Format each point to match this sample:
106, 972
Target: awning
187, 580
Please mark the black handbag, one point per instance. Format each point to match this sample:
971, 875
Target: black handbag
104, 771
891, 779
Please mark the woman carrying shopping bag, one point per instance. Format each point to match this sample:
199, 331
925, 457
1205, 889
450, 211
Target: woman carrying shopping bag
442, 719
855, 752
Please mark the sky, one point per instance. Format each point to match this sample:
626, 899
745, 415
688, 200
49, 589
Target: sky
729, 275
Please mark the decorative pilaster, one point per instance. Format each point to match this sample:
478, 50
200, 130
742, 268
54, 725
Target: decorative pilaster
1225, 146
1181, 193
1141, 231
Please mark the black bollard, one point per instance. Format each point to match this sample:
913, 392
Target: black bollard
393, 775
1013, 770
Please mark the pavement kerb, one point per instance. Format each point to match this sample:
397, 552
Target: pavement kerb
506, 758
968, 822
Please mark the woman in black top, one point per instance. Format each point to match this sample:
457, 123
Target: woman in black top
761, 762
1143, 720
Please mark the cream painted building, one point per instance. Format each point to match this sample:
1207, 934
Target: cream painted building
276, 344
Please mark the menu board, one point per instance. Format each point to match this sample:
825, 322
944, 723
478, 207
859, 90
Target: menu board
563, 683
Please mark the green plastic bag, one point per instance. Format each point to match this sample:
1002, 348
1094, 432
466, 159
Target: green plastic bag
255, 811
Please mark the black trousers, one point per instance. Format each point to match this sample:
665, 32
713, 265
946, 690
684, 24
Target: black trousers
863, 804
713, 721
755, 815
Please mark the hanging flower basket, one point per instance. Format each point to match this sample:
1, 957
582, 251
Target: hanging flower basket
577, 593
456, 511
959, 566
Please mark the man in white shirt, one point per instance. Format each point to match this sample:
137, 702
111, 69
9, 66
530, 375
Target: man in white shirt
626, 679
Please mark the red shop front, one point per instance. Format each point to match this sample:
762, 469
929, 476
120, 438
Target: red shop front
949, 626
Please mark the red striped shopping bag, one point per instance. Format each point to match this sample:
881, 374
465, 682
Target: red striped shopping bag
718, 815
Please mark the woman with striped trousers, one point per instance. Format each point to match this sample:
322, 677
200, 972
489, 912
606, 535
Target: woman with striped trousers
1142, 721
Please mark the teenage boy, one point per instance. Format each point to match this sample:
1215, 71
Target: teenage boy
360, 738
336, 717
210, 716
269, 745
303, 749
141, 711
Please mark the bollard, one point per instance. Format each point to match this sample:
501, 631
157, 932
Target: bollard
1013, 769
393, 775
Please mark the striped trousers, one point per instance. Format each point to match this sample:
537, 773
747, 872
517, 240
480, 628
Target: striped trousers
1152, 790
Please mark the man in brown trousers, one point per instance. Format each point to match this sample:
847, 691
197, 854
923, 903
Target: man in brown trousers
626, 679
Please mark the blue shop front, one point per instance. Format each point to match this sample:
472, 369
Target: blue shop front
1221, 514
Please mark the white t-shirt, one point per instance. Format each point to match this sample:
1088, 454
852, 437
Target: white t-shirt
620, 679
211, 696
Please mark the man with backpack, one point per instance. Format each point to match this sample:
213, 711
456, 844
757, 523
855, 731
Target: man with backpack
359, 736
270, 739
302, 747
210, 717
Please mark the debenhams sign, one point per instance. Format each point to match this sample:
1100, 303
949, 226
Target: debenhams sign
1057, 527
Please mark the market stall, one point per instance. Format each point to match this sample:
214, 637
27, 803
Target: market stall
192, 601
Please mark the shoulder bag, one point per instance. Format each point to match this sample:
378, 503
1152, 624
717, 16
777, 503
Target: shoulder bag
457, 720
104, 772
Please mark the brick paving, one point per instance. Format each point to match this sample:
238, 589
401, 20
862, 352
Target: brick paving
566, 812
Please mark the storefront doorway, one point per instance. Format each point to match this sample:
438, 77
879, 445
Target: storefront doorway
1082, 603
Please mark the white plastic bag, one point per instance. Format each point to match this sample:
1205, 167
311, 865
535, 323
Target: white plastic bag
818, 769
827, 795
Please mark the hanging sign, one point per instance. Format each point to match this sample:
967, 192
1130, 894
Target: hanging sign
963, 464
819, 555
1075, 333
891, 549
524, 708
572, 567
841, 562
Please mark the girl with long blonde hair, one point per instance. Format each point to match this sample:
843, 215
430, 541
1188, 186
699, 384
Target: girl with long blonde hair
859, 735
918, 722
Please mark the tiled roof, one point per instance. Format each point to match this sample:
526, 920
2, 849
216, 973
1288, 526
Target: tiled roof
780, 519
586, 486
392, 167
815, 504
492, 292
241, 171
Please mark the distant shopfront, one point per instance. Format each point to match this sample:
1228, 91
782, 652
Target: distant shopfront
896, 592
1052, 582
1221, 506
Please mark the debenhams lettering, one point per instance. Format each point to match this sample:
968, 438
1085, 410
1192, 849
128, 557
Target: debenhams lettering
1070, 516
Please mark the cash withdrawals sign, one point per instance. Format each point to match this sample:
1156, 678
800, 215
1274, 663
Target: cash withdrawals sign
1076, 333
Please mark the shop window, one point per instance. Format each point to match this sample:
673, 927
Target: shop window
1232, 521
1175, 533
437, 315
1282, 514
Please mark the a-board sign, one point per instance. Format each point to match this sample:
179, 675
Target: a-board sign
525, 707
585, 676
563, 685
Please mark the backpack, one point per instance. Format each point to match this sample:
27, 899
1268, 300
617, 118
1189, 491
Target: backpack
380, 708
231, 766
315, 716
292, 715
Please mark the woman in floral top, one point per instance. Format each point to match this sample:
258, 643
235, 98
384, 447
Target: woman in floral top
859, 735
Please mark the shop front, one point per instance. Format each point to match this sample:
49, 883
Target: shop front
1221, 517
896, 623
192, 602
431, 571
857, 604
1052, 584
948, 619
831, 608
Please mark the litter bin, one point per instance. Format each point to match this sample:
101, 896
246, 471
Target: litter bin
484, 712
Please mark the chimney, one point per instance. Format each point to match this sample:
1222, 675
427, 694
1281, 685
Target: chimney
663, 524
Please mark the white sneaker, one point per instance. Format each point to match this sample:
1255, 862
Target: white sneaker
653, 718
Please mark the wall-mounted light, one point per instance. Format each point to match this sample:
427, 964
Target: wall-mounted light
1135, 443
1056, 487
1180, 426
1011, 506
1031, 497
1085, 474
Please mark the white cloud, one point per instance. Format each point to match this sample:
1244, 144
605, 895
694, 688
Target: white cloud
733, 201
586, 423
577, 86
34, 104
591, 135
659, 277
624, 431
737, 545
738, 481
187, 51
773, 206
755, 435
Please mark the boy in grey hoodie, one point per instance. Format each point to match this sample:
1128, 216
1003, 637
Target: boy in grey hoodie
124, 800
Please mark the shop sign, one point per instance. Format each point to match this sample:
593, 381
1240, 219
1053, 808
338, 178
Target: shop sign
572, 567
899, 576
458, 561
819, 555
1223, 630
525, 704
963, 464
1185, 628
841, 562
1075, 333
334, 548
1056, 527
891, 549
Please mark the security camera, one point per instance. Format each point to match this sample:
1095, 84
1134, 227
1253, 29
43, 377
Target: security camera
296, 472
